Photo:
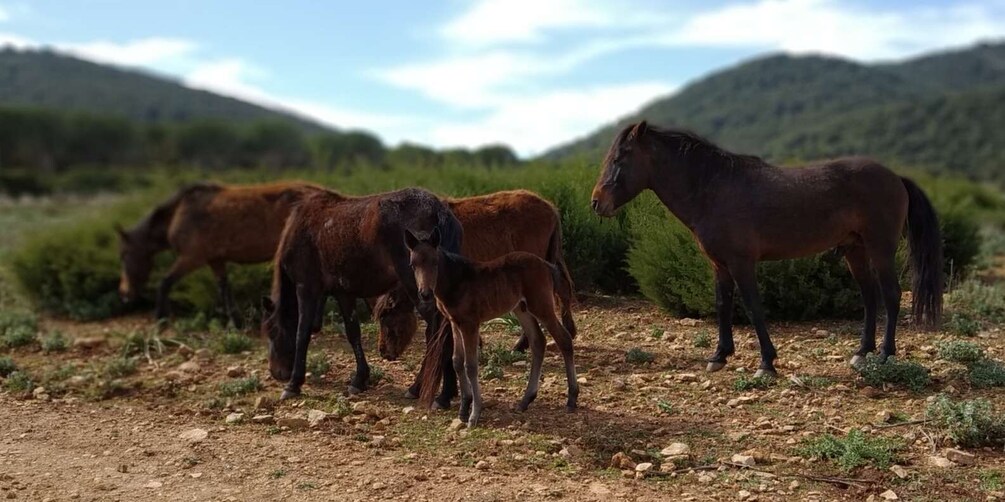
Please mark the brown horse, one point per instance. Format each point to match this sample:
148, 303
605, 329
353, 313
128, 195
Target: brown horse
742, 210
207, 224
470, 293
349, 248
494, 225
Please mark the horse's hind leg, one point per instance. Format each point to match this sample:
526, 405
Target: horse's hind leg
535, 340
226, 295
746, 280
724, 288
307, 301
471, 338
458, 361
563, 339
889, 286
522, 343
858, 264
347, 307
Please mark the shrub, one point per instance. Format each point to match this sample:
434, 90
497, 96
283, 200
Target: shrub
233, 342
854, 450
961, 352
975, 302
745, 383
376, 376
17, 320
986, 373
961, 324
639, 356
894, 371
7, 366
318, 365
120, 367
55, 342
702, 340
240, 387
969, 424
18, 336
19, 382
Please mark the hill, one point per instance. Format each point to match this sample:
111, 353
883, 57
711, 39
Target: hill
44, 79
941, 111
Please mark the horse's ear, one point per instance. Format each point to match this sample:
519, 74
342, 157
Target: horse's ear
411, 240
122, 232
434, 238
638, 130
268, 306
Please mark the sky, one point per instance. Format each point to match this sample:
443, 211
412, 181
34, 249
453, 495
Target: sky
528, 73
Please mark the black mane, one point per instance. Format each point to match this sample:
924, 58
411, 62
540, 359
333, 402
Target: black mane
692, 147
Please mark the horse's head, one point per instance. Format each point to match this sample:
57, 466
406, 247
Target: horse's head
137, 261
424, 258
627, 170
282, 343
395, 316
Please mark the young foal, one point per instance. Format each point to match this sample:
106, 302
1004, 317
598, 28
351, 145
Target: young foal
494, 224
207, 224
742, 210
470, 293
349, 248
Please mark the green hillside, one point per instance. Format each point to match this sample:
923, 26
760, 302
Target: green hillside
43, 79
941, 112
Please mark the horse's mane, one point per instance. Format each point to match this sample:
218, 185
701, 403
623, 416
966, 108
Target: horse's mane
691, 147
154, 225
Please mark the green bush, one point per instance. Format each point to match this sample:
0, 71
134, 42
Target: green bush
639, 356
854, 450
55, 342
120, 367
894, 371
240, 387
970, 424
318, 365
233, 342
18, 336
19, 382
7, 366
962, 324
961, 352
745, 383
977, 302
986, 373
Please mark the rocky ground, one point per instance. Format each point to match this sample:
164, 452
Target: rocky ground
189, 421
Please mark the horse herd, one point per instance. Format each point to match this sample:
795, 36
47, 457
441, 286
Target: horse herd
461, 262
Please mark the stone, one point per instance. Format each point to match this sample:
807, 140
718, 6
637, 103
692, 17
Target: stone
293, 423
738, 436
619, 384
263, 419
570, 451
194, 435
234, 418
871, 392
582, 380
676, 449
235, 371
899, 471
884, 416
687, 321
264, 403
89, 342
622, 461
456, 424
153, 484
744, 460
743, 494
889, 495
408, 409
204, 353
705, 478
316, 417
941, 462
189, 367
960, 456
482, 465
687, 377
644, 467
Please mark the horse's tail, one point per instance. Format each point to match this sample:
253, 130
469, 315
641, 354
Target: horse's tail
556, 258
925, 240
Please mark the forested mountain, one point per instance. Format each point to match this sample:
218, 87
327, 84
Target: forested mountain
942, 112
44, 79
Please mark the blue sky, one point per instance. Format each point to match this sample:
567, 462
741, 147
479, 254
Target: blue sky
529, 73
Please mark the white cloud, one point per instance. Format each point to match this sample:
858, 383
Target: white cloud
139, 52
15, 41
498, 21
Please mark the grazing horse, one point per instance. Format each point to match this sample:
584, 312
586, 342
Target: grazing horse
207, 224
469, 293
742, 210
349, 248
494, 224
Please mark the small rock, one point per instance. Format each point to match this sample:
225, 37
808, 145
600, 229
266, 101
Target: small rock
899, 471
622, 461
456, 424
263, 419
90, 342
570, 451
687, 321
942, 462
743, 494
204, 353
960, 456
676, 449
744, 460
316, 417
619, 384
77, 381
794, 485
293, 423
408, 409
737, 436
482, 465
644, 467
687, 377
189, 367
194, 435
705, 478
582, 380
378, 441
264, 403
153, 484
884, 416
871, 392
234, 418
40, 394
235, 371
889, 495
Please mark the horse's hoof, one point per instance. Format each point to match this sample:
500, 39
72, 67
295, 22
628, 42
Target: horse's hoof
766, 373
409, 394
571, 408
472, 424
714, 366
857, 361
438, 406
289, 394
353, 390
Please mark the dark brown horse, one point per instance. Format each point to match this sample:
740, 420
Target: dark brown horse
469, 293
494, 224
742, 211
349, 248
207, 224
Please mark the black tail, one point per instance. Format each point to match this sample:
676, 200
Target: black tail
925, 240
556, 258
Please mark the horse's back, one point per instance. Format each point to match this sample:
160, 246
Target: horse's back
502, 222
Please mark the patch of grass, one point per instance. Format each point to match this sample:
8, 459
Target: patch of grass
240, 387
816, 381
276, 474
193, 324
233, 342
508, 321
665, 407
702, 339
19, 382
962, 324
377, 375
7, 366
55, 342
17, 320
962, 352
969, 424
745, 383
854, 450
991, 480
987, 373
492, 372
979, 301
18, 336
59, 374
908, 374
318, 365
120, 367
500, 354
638, 356
656, 333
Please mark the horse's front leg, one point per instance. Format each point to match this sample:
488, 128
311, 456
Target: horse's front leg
359, 381
746, 280
226, 294
180, 268
724, 310
308, 299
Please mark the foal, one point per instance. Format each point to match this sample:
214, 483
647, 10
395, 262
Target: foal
469, 293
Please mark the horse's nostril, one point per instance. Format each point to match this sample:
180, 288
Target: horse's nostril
595, 204
425, 296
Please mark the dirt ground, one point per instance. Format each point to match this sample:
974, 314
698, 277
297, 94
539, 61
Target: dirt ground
90, 436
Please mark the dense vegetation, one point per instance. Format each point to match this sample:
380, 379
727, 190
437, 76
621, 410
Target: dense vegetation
940, 112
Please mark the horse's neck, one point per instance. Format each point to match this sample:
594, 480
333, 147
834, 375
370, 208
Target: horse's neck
153, 230
452, 269
686, 187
